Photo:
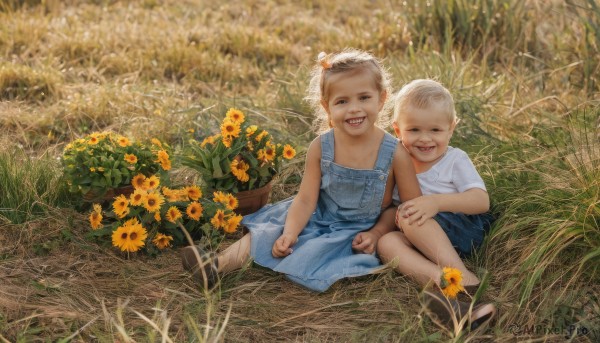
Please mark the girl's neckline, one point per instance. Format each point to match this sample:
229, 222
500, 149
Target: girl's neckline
373, 165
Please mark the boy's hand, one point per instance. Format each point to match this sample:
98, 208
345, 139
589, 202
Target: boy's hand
365, 242
418, 210
283, 245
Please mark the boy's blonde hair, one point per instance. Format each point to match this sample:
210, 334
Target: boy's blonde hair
345, 61
423, 94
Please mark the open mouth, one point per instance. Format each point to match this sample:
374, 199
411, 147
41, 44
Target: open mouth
355, 121
426, 149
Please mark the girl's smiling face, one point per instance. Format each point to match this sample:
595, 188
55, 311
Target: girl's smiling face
425, 133
353, 102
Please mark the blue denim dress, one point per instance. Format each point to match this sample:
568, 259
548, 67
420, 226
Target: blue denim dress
349, 202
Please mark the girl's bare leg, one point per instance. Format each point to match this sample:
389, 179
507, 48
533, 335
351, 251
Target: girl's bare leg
432, 242
235, 256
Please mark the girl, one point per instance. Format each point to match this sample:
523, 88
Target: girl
350, 172
451, 218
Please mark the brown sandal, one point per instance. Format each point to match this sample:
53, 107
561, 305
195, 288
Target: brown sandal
202, 265
448, 309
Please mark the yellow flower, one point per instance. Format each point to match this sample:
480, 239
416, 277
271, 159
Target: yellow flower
221, 197
171, 194
163, 159
156, 142
96, 217
232, 224
208, 140
137, 197
235, 115
152, 182
139, 181
153, 202
162, 241
131, 158
239, 168
123, 142
157, 216
193, 192
121, 206
261, 135
92, 169
219, 219
129, 237
232, 202
227, 141
451, 282
288, 152
194, 210
230, 128
173, 214
251, 130
93, 140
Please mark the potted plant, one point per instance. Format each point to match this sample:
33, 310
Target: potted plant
241, 159
152, 217
103, 164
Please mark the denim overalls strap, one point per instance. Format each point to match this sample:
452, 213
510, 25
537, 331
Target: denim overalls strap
353, 194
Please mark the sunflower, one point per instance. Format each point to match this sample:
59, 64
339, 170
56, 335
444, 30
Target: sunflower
251, 130
171, 194
121, 206
130, 158
232, 202
235, 115
261, 135
230, 128
163, 159
451, 282
129, 237
288, 152
156, 142
96, 217
139, 181
123, 142
232, 224
162, 241
93, 140
152, 182
227, 141
269, 152
239, 168
219, 219
173, 214
221, 197
194, 210
157, 216
137, 197
153, 201
193, 192
207, 140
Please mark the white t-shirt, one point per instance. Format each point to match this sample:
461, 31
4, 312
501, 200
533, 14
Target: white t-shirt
453, 173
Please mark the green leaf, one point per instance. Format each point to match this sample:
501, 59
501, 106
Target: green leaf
217, 167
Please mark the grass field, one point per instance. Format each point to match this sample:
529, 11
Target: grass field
526, 80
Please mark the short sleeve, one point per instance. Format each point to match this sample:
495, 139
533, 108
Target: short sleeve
464, 174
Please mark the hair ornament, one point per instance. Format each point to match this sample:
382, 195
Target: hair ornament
322, 58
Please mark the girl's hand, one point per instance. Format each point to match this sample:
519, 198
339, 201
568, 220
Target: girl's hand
365, 242
418, 210
283, 245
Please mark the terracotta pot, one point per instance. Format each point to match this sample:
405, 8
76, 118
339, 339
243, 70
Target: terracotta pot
253, 200
109, 195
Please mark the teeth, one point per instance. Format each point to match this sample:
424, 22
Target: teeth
355, 121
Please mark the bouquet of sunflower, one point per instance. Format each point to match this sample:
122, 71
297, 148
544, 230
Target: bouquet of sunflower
103, 161
241, 157
152, 217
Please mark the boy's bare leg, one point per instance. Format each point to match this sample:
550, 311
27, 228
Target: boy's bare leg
433, 242
235, 256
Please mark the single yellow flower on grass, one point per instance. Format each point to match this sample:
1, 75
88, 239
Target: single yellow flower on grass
173, 214
123, 142
451, 282
131, 158
96, 217
162, 241
129, 237
194, 210
153, 202
193, 192
218, 220
137, 197
139, 181
235, 115
152, 182
121, 206
288, 152
232, 224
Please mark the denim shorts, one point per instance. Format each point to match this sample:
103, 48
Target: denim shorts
466, 232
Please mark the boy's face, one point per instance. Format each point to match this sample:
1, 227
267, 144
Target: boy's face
425, 133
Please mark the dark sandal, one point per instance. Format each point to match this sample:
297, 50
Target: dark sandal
204, 273
446, 309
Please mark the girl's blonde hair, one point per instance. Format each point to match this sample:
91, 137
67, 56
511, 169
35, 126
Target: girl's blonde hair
423, 94
344, 61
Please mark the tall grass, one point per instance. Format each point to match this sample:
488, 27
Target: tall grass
30, 187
